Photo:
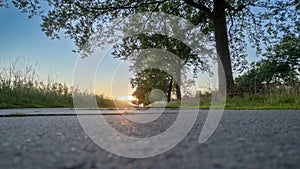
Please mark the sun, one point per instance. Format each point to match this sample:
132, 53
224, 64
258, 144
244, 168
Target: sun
127, 98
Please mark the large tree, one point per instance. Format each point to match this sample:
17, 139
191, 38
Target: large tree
231, 23
148, 80
172, 66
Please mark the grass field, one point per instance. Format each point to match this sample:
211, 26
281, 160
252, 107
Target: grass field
35, 98
22, 87
25, 95
264, 101
250, 102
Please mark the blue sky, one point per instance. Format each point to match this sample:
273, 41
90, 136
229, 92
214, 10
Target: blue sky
22, 37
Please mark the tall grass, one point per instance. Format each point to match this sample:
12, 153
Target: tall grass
271, 96
22, 86
276, 97
264, 101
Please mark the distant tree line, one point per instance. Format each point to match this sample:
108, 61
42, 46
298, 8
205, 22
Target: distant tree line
279, 70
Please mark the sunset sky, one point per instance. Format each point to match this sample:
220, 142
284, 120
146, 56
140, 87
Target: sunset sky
22, 37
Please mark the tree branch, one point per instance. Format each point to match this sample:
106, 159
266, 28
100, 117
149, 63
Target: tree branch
120, 7
201, 7
177, 7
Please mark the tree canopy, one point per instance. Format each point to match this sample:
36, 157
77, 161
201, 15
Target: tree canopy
173, 67
280, 66
231, 23
149, 80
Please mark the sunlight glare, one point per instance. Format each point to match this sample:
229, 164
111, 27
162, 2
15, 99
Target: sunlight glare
127, 98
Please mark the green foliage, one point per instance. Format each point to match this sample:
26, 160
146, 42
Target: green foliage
286, 57
148, 80
259, 20
186, 57
235, 21
20, 94
22, 87
280, 68
264, 101
256, 101
103, 102
170, 69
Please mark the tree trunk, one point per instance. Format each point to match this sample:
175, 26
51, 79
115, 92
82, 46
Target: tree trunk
178, 92
178, 84
221, 37
170, 90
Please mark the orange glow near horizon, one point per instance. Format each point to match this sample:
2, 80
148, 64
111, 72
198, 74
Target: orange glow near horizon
127, 98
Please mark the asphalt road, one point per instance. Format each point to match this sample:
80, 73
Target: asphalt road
54, 139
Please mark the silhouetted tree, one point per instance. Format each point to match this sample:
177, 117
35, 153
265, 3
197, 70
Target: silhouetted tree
231, 22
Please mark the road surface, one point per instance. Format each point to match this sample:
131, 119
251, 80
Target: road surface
54, 139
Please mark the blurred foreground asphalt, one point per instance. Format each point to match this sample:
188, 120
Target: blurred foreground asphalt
54, 139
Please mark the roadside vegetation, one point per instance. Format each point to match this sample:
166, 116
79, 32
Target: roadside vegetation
233, 26
257, 101
21, 86
274, 81
271, 83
